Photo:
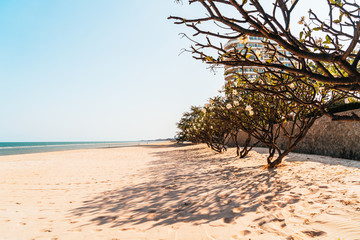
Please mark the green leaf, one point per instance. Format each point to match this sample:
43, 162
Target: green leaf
317, 29
210, 59
301, 34
328, 39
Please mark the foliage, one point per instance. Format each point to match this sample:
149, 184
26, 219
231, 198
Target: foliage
201, 126
268, 116
256, 110
325, 51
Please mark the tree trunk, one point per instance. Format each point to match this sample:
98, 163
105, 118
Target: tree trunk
246, 148
275, 163
234, 136
271, 155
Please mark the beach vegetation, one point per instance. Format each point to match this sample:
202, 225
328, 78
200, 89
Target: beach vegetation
202, 126
265, 110
275, 111
324, 54
227, 112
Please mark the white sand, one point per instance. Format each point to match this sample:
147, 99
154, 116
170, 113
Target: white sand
161, 191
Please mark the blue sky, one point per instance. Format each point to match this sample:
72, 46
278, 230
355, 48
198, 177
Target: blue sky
96, 70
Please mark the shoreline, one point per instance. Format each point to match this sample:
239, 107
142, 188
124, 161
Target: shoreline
17, 148
170, 191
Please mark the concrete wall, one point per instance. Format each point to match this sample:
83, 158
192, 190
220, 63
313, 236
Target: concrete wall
330, 138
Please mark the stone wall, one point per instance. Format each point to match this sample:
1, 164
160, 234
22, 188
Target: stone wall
330, 138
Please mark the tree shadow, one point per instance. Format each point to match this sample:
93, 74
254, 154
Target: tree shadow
306, 157
189, 186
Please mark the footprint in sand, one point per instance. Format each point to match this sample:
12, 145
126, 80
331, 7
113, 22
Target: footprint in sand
126, 229
237, 210
75, 230
314, 233
261, 223
45, 230
245, 233
228, 219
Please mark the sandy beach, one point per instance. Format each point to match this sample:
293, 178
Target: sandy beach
169, 191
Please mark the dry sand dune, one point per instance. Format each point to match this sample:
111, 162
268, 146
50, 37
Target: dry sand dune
167, 191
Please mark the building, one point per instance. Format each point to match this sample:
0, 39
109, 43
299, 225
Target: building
256, 44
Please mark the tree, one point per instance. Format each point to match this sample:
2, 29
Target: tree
263, 109
325, 51
226, 111
187, 127
201, 126
267, 117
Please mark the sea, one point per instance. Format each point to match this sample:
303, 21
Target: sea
12, 148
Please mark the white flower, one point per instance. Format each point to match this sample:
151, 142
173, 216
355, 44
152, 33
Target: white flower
248, 108
251, 113
203, 110
292, 115
207, 105
292, 85
347, 100
211, 101
234, 92
211, 127
236, 103
228, 106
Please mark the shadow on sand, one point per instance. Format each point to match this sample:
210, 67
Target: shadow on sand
189, 185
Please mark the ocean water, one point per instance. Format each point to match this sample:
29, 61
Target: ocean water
11, 148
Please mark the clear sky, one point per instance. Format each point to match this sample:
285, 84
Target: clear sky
96, 70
